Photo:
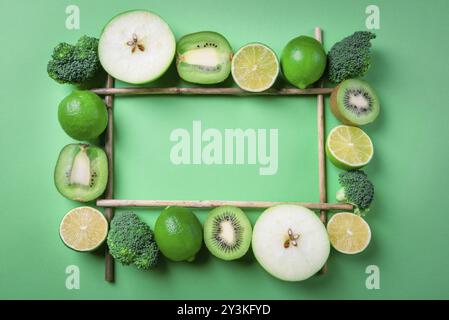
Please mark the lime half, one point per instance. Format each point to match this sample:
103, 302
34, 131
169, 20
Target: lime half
348, 233
349, 147
83, 229
255, 67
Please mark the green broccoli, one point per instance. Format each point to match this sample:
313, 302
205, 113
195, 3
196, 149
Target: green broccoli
356, 189
75, 64
131, 241
350, 58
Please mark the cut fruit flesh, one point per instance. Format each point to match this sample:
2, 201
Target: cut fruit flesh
83, 229
255, 67
354, 102
349, 147
136, 47
81, 172
290, 242
348, 233
227, 232
203, 57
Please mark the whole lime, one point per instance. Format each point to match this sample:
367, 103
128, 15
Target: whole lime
83, 115
303, 61
178, 234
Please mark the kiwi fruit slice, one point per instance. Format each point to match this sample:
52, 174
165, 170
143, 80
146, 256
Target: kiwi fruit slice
354, 102
227, 232
203, 57
81, 172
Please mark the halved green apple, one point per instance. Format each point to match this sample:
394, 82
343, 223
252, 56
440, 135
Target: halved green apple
136, 47
290, 242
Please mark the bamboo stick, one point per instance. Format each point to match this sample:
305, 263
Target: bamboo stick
210, 91
216, 203
109, 194
321, 152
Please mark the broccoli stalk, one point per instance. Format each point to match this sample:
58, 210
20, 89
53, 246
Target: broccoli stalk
356, 189
131, 241
341, 195
75, 64
350, 58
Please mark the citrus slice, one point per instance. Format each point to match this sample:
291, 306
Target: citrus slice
348, 233
255, 67
83, 229
349, 147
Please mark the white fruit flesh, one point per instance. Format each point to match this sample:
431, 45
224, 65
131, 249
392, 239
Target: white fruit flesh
208, 57
227, 233
136, 47
359, 100
290, 257
80, 173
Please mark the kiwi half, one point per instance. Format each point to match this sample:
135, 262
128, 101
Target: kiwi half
227, 232
354, 102
81, 172
203, 57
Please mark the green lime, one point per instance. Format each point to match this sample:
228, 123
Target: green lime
178, 234
83, 115
303, 61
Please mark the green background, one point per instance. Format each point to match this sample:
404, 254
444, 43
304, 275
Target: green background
409, 220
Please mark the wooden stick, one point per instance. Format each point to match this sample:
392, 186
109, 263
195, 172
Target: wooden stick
109, 194
216, 203
210, 91
321, 152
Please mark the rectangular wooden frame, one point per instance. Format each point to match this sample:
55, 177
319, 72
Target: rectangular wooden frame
109, 202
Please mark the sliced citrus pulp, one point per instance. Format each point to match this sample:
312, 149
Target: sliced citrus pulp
349, 147
255, 67
348, 233
83, 229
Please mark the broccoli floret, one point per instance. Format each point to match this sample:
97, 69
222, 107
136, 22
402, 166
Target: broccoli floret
131, 241
350, 58
75, 64
356, 189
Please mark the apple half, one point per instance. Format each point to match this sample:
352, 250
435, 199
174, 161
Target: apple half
136, 47
290, 242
